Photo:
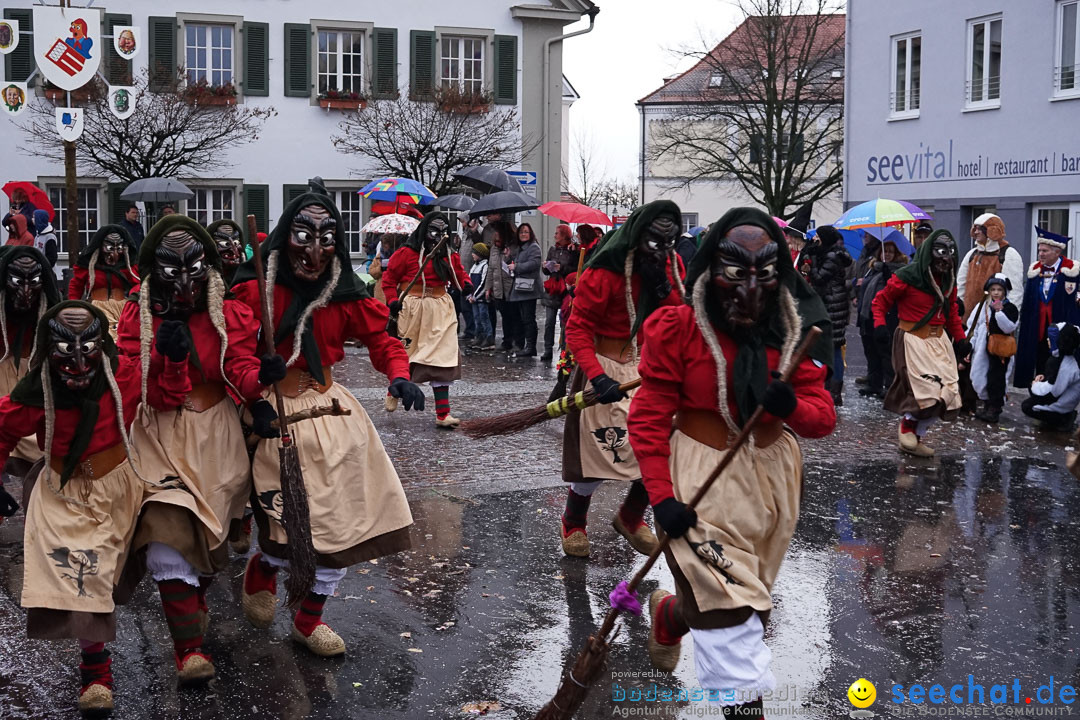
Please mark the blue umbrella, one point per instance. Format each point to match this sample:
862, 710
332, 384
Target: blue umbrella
391, 187
852, 240
888, 234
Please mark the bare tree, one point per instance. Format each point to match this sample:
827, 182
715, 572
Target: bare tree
764, 107
618, 197
586, 176
170, 133
428, 141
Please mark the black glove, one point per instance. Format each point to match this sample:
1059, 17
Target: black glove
674, 517
779, 400
262, 414
271, 369
410, 393
607, 390
883, 340
962, 348
395, 308
172, 340
8, 506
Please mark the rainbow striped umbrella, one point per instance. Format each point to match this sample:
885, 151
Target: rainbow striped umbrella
391, 188
873, 213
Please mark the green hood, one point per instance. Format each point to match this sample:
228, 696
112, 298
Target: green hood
416, 242
917, 275
166, 225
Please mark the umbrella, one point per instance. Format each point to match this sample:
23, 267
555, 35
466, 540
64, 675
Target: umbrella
391, 187
697, 229
34, 194
874, 212
575, 213
503, 202
888, 234
853, 242
457, 201
398, 224
916, 212
487, 179
157, 190
401, 206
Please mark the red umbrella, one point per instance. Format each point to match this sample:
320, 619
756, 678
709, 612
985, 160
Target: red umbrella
404, 206
34, 194
575, 213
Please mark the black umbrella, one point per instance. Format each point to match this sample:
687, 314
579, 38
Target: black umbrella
503, 202
487, 179
456, 201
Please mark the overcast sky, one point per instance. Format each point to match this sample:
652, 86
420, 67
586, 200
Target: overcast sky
628, 54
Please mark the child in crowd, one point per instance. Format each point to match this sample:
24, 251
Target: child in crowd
1053, 400
485, 335
991, 327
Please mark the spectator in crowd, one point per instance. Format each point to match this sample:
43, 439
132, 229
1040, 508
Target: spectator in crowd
485, 335
559, 264
20, 205
132, 225
500, 281
990, 327
828, 276
470, 235
1053, 400
18, 234
685, 248
168, 210
45, 240
588, 240
527, 288
461, 306
1049, 297
388, 243
889, 259
920, 233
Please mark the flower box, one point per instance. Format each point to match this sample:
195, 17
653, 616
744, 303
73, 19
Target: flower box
56, 95
342, 104
213, 99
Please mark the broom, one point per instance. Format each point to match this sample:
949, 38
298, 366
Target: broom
519, 420
295, 517
391, 323
590, 662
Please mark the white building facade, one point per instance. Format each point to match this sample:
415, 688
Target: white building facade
966, 107
288, 53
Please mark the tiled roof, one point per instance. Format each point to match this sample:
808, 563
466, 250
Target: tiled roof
737, 51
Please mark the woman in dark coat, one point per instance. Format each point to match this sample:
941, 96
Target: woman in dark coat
879, 369
828, 277
561, 261
526, 288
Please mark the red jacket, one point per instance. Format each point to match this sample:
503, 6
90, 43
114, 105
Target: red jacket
363, 320
912, 304
678, 373
600, 309
403, 266
80, 281
170, 382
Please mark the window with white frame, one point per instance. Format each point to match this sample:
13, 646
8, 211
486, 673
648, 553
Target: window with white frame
87, 203
461, 63
984, 63
209, 53
341, 61
351, 205
689, 220
1068, 48
906, 75
210, 204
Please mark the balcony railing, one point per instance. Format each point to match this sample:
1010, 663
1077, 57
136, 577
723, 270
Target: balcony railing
1065, 80
897, 101
983, 92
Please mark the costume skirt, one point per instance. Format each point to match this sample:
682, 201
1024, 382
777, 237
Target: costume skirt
74, 546
428, 326
927, 383
596, 445
357, 505
112, 310
27, 449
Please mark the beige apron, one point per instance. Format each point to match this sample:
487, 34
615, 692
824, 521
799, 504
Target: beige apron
745, 521
357, 505
27, 449
599, 433
931, 370
74, 554
428, 326
112, 310
194, 460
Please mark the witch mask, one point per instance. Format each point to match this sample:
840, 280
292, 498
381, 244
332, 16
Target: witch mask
75, 347
658, 240
943, 262
436, 230
745, 275
179, 277
112, 249
311, 242
230, 247
23, 284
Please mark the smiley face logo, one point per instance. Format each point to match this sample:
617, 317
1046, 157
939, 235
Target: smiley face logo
862, 693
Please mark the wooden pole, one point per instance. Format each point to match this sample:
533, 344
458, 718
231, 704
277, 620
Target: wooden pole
71, 189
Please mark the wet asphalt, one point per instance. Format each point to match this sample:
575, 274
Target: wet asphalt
902, 571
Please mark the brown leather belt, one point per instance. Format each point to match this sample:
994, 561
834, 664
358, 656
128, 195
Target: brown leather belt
97, 465
618, 349
429, 291
298, 381
106, 294
924, 332
708, 428
205, 396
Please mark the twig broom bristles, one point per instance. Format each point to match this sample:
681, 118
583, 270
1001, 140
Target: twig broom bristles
519, 420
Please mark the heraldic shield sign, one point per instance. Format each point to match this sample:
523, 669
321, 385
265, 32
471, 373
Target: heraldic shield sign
67, 45
69, 123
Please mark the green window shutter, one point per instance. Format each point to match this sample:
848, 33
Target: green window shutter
505, 85
291, 192
117, 207
257, 203
19, 63
421, 64
162, 53
297, 60
256, 58
756, 148
797, 148
384, 65
116, 69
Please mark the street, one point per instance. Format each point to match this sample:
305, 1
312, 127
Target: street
901, 571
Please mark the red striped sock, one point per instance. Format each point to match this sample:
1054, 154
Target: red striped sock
96, 667
309, 616
577, 510
632, 512
260, 576
908, 426
442, 401
181, 604
668, 624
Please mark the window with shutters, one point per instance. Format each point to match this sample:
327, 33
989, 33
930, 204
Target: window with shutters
340, 62
210, 204
88, 203
461, 63
209, 54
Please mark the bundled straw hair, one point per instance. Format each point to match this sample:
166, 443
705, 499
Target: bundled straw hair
321, 301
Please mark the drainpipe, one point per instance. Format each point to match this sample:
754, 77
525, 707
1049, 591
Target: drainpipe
641, 199
545, 160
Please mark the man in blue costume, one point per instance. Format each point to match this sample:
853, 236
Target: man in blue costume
1049, 297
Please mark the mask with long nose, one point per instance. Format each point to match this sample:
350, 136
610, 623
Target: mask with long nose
230, 247
75, 347
943, 262
311, 242
744, 275
23, 284
180, 275
112, 249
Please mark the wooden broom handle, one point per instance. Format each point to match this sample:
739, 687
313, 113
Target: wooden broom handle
267, 321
